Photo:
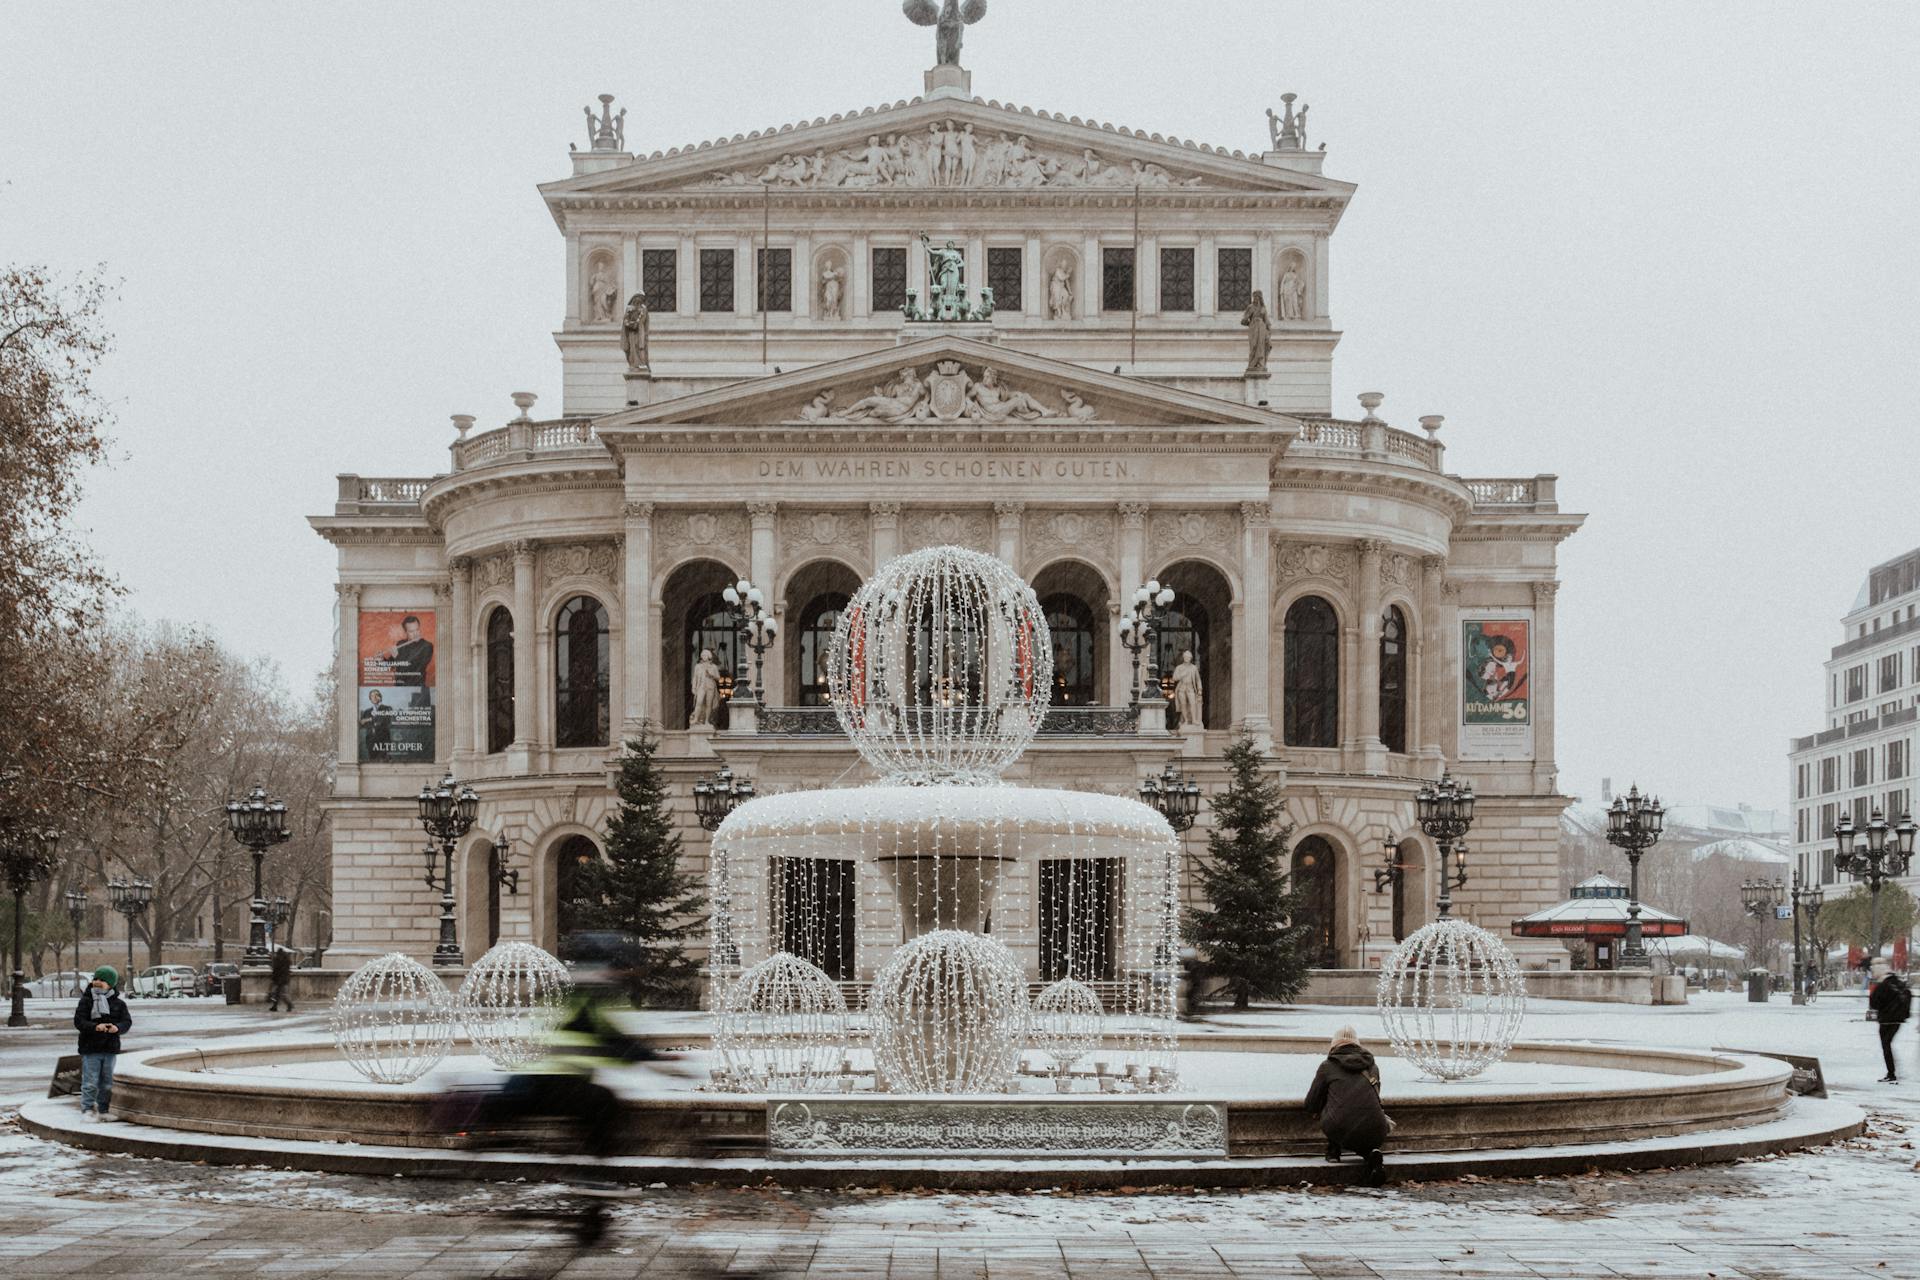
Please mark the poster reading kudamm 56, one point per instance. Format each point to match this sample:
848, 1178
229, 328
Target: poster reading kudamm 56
396, 686
1496, 690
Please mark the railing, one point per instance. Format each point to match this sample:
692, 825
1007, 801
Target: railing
380, 495
1342, 438
821, 722
520, 439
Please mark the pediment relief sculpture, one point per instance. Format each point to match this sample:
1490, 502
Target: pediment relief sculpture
953, 155
949, 528
1172, 531
721, 530
581, 559
846, 529
1070, 530
1313, 560
493, 571
948, 392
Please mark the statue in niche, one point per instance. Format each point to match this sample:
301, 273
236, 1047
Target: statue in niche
949, 20
634, 327
946, 280
603, 293
1060, 293
1187, 692
1293, 292
1259, 333
705, 690
832, 292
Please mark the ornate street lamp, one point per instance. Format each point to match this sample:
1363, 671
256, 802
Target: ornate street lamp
25, 856
130, 899
259, 822
1392, 871
1807, 901
1634, 824
1444, 810
751, 615
716, 797
277, 912
1137, 627
447, 811
1880, 853
1760, 897
1175, 795
507, 878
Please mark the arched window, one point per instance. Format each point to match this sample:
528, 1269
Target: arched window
1071, 622
1312, 674
1313, 878
817, 625
1393, 679
499, 679
710, 626
581, 673
572, 909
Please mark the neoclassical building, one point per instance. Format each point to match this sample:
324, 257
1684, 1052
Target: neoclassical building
792, 410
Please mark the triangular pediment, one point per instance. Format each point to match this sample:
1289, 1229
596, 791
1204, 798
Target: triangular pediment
947, 144
947, 380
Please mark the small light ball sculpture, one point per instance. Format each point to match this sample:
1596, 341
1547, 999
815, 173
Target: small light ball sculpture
1452, 998
1066, 1023
512, 999
782, 1027
949, 1014
393, 1020
941, 667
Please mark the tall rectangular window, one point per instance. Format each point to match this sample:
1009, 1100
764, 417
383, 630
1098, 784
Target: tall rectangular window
1116, 279
1176, 279
716, 279
1862, 772
1003, 277
660, 278
1897, 759
1829, 775
1800, 789
1889, 673
1829, 815
1856, 682
775, 289
889, 279
1236, 279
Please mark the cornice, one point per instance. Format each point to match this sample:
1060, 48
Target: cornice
816, 438
1426, 488
573, 475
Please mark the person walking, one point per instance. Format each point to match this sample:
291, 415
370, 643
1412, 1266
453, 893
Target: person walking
280, 975
1345, 1098
101, 1019
1891, 1004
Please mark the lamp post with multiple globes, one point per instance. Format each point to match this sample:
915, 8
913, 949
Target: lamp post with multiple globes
447, 811
259, 822
26, 856
1444, 810
761, 628
1137, 628
1634, 823
130, 899
1807, 901
1879, 852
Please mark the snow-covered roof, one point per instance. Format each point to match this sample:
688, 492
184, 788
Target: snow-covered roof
1604, 916
1726, 820
1694, 945
1743, 849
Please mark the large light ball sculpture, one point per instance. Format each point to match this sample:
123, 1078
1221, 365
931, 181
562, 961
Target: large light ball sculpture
393, 1020
512, 999
1066, 1022
782, 1027
941, 667
949, 1014
1452, 998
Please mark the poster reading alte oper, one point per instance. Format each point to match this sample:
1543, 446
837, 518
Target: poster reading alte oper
1496, 689
396, 686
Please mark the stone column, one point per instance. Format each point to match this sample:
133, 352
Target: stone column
917, 270
976, 249
860, 279
1437, 680
1146, 276
763, 574
1545, 772
1092, 275
524, 625
636, 595
1033, 279
1006, 522
575, 312
1368, 670
347, 678
1254, 656
803, 287
687, 269
445, 672
630, 276
886, 531
455, 697
1133, 576
746, 276
1206, 290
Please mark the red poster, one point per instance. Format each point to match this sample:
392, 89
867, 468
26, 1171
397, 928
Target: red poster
396, 658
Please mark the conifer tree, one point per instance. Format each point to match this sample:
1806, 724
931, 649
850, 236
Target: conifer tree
1250, 932
640, 889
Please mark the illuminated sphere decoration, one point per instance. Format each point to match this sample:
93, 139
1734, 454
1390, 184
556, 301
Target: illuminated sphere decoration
782, 1027
1066, 1022
1453, 998
393, 1020
941, 667
512, 999
949, 1015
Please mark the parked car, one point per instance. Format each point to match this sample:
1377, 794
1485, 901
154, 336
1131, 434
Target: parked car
213, 977
164, 980
67, 984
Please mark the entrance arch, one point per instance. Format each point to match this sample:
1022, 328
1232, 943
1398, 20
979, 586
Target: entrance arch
815, 596
1316, 878
1201, 619
692, 617
557, 901
1074, 597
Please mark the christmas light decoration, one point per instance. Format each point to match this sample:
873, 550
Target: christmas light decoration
1066, 1023
1453, 998
393, 1020
782, 1028
512, 999
949, 1015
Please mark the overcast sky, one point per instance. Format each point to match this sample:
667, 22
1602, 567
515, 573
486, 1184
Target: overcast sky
1664, 250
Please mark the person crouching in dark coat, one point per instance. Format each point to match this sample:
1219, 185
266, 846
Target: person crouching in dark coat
1345, 1098
101, 1019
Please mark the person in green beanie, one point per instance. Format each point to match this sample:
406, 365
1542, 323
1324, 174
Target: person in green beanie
101, 1020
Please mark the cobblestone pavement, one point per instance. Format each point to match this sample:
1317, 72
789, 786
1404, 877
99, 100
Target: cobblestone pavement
1839, 1211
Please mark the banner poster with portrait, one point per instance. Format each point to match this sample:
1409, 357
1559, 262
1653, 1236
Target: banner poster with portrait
396, 686
1496, 685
